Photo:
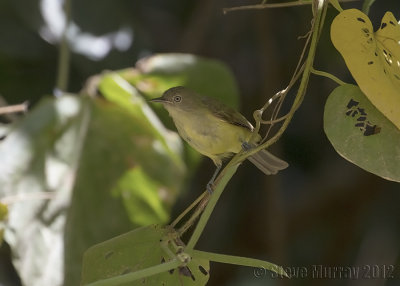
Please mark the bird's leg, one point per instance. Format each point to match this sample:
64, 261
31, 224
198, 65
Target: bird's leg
210, 184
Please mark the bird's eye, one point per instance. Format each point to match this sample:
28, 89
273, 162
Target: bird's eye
177, 98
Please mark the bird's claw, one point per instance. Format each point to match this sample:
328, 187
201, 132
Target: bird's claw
246, 146
210, 187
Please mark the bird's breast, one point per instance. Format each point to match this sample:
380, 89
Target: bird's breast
208, 134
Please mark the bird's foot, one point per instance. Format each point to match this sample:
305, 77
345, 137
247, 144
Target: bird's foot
246, 146
210, 187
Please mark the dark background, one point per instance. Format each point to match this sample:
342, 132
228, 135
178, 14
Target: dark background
323, 210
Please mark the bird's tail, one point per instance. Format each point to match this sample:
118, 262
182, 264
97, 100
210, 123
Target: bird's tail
268, 163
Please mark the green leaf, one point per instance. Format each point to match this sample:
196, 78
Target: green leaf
3, 211
122, 155
372, 58
335, 3
155, 74
138, 250
361, 134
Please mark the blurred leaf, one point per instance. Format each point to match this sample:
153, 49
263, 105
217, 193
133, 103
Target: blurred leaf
155, 74
81, 147
361, 134
141, 197
117, 144
39, 155
137, 250
3, 216
372, 58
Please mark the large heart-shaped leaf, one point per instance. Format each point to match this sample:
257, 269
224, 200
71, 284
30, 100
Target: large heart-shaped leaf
361, 134
138, 250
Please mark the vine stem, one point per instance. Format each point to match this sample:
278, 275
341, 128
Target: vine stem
64, 54
316, 29
233, 164
328, 75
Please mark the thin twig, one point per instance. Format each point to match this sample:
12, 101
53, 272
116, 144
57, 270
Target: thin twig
317, 27
187, 210
27, 197
273, 5
265, 6
23, 107
199, 210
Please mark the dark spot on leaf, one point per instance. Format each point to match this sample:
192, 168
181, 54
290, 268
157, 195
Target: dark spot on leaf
203, 270
162, 259
391, 22
385, 52
360, 19
352, 111
366, 31
362, 111
370, 63
108, 254
371, 130
383, 25
185, 271
352, 103
361, 118
376, 54
388, 62
171, 271
360, 124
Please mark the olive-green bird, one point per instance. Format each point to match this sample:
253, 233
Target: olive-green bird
214, 129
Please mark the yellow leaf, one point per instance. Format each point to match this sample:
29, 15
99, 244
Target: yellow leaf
372, 58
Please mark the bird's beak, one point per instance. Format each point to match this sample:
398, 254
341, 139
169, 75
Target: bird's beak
159, 99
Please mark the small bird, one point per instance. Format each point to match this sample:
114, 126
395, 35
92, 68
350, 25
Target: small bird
215, 130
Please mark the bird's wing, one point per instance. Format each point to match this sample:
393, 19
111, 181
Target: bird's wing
226, 113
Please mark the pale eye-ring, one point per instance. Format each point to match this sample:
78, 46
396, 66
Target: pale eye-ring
177, 98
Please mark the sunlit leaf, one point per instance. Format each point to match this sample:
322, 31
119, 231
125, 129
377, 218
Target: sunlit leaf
137, 250
118, 144
3, 211
361, 134
372, 58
